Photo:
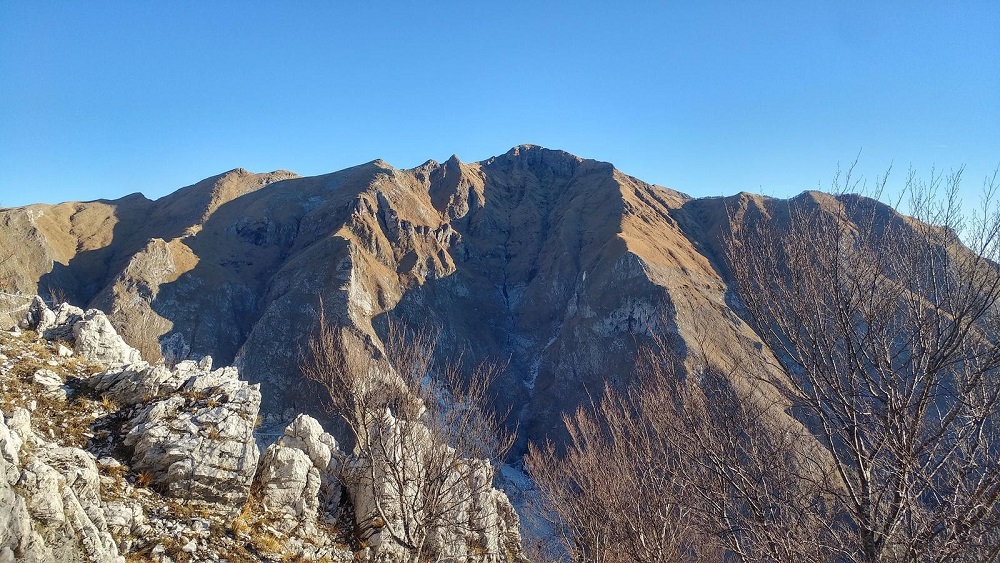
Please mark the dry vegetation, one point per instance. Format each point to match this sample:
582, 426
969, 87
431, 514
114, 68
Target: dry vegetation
66, 421
889, 329
439, 421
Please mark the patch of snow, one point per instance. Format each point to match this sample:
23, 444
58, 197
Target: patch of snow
536, 365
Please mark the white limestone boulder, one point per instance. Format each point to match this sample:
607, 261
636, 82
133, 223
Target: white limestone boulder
50, 508
299, 474
197, 442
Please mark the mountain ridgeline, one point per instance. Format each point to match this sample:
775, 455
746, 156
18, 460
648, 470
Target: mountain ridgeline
559, 267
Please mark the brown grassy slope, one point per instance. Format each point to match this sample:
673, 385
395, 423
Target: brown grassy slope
557, 265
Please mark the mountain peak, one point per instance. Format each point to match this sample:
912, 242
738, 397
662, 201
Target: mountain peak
536, 255
526, 147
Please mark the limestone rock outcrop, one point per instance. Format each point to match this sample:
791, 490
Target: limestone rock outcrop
410, 482
50, 502
302, 474
93, 334
198, 443
137, 383
192, 429
186, 434
176, 457
96, 339
299, 475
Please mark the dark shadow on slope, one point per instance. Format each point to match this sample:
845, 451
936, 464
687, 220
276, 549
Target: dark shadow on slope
242, 302
543, 282
88, 272
137, 221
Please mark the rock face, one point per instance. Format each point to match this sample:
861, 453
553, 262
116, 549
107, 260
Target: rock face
299, 475
198, 443
97, 340
93, 335
192, 428
302, 474
50, 503
560, 264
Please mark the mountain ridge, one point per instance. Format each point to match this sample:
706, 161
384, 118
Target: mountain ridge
560, 266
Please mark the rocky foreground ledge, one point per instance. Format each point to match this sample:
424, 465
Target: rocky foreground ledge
105, 457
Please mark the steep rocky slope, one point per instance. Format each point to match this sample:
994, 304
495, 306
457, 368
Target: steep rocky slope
557, 265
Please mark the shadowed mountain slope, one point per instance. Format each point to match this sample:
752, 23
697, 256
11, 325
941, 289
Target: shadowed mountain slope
560, 266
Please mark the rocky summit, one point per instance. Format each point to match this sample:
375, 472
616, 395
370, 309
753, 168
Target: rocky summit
556, 266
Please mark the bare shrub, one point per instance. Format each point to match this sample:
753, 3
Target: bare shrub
424, 437
616, 494
683, 468
57, 295
888, 326
881, 444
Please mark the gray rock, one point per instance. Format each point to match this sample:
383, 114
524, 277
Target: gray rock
108, 463
478, 523
50, 509
290, 483
10, 448
51, 384
198, 441
298, 475
20, 425
39, 316
62, 326
96, 339
132, 384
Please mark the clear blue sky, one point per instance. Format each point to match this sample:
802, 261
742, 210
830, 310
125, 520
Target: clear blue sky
98, 100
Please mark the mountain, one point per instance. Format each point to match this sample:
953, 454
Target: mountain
558, 266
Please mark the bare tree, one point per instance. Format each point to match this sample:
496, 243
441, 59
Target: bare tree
758, 481
888, 327
880, 445
57, 295
685, 466
425, 440
615, 494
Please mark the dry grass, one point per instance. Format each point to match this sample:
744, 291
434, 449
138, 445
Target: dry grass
26, 367
117, 472
253, 531
66, 421
108, 404
268, 543
193, 398
144, 479
141, 556
188, 510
